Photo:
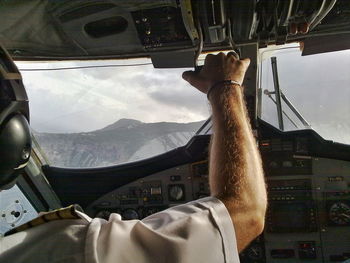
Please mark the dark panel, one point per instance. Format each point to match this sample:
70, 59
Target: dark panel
317, 146
323, 44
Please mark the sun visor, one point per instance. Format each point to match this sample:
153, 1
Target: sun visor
174, 59
323, 44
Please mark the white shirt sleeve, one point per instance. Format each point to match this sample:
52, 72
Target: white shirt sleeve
199, 231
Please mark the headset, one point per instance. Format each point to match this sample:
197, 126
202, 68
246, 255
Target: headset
15, 134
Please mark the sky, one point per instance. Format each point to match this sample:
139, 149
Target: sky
89, 99
317, 85
82, 100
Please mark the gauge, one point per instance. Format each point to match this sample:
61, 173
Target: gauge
103, 214
176, 192
339, 214
130, 214
13, 213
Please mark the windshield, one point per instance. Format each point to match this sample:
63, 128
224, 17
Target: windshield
314, 92
96, 113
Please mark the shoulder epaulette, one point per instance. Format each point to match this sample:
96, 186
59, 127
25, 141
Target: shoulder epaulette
69, 212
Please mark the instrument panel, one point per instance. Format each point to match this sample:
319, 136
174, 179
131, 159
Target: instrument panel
308, 217
154, 193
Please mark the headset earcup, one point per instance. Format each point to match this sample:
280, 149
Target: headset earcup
15, 148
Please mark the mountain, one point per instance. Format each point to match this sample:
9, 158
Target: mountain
122, 123
124, 141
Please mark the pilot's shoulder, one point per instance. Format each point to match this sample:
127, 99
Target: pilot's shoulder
69, 212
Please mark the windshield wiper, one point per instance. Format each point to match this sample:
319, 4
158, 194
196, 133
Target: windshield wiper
207, 125
269, 93
279, 96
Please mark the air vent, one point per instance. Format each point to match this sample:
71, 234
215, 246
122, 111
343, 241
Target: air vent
106, 27
85, 11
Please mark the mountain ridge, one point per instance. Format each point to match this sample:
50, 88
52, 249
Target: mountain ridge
122, 123
125, 140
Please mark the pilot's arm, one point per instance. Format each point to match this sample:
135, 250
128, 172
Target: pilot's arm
211, 229
236, 175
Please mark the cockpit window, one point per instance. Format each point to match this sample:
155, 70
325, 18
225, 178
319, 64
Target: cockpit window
314, 92
104, 113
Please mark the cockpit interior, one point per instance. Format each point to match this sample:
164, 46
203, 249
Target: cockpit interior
116, 130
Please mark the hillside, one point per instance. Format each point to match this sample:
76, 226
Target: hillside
123, 141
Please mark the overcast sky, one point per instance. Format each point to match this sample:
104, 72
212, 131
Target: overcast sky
90, 99
83, 100
317, 85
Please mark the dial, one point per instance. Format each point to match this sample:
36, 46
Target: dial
339, 214
130, 214
176, 193
13, 213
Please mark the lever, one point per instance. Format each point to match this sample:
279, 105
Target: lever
198, 68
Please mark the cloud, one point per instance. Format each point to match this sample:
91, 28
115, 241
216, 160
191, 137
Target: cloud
90, 99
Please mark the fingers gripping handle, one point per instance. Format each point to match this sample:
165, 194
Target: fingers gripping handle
197, 68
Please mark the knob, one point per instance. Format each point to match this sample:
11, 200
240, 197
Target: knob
176, 192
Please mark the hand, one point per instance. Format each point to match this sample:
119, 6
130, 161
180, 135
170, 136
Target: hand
217, 68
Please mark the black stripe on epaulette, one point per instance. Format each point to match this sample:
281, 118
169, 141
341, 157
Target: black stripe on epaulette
58, 214
45, 219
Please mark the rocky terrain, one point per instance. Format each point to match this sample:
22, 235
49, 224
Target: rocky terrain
124, 141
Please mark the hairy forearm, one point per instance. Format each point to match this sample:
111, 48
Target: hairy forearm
235, 164
236, 175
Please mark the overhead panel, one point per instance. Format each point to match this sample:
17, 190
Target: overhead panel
91, 29
97, 28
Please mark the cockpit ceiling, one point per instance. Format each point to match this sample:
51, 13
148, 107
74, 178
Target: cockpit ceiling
81, 29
